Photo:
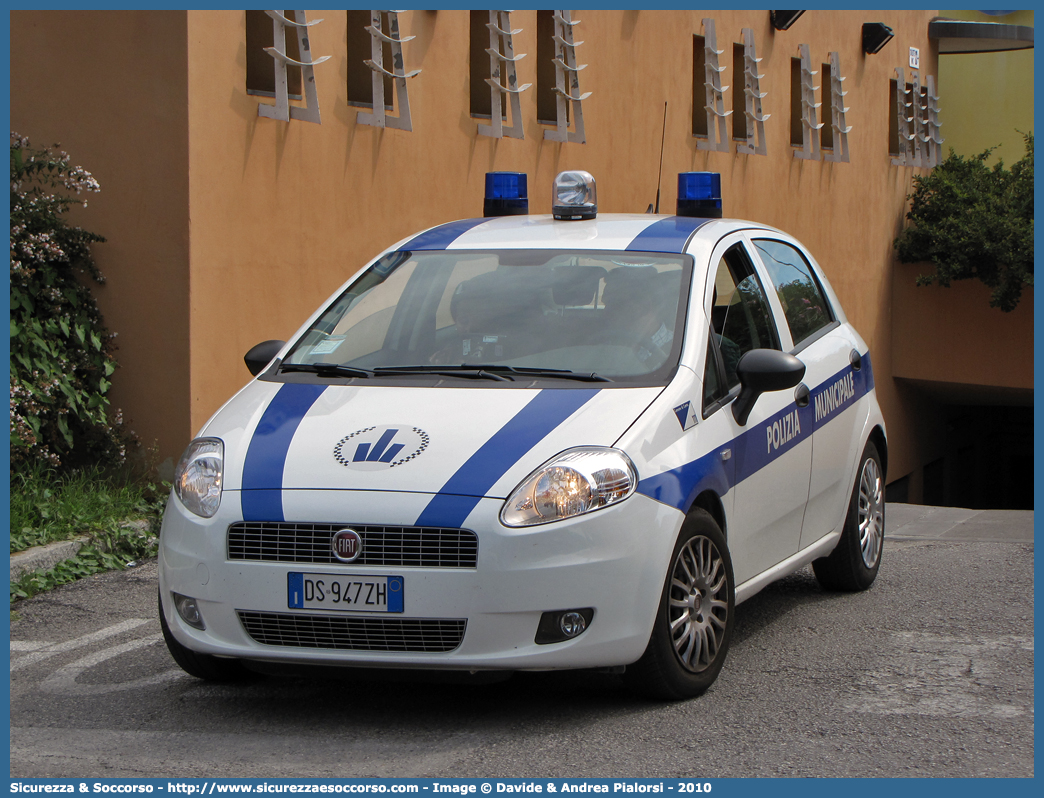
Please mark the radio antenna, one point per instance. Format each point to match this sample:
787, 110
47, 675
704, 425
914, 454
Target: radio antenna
659, 172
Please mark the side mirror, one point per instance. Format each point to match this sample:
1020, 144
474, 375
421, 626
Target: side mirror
261, 355
762, 370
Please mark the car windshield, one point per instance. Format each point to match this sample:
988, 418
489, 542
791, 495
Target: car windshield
605, 316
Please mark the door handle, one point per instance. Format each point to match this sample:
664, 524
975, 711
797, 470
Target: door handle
855, 359
801, 395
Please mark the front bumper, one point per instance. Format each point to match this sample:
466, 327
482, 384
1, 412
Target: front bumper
613, 560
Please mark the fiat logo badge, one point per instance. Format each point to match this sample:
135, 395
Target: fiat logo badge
346, 545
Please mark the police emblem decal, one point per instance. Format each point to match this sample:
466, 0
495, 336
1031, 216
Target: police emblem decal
380, 447
686, 415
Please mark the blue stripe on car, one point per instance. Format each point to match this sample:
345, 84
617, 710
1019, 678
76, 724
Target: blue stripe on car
667, 235
262, 490
458, 497
751, 452
442, 236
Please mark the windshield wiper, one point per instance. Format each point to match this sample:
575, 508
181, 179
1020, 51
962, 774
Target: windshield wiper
490, 371
326, 369
463, 370
562, 374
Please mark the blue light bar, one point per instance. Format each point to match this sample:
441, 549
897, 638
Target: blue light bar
699, 194
507, 194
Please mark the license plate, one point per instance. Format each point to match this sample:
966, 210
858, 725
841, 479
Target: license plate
354, 593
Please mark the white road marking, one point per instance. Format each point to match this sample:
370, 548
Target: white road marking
28, 645
63, 680
46, 650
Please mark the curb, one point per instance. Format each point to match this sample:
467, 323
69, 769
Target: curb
44, 558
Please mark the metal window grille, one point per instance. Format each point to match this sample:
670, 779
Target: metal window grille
567, 82
282, 108
905, 113
934, 139
810, 145
755, 145
717, 138
384, 28
503, 78
837, 113
920, 140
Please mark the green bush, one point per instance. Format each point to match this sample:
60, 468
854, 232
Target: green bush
48, 506
973, 221
61, 353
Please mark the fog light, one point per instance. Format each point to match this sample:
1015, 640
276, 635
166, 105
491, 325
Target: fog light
562, 625
189, 611
572, 624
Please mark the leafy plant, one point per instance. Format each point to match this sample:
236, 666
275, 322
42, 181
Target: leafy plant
48, 506
115, 548
973, 221
61, 353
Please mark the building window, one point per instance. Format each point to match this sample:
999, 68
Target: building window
796, 138
568, 99
834, 110
481, 102
893, 117
915, 121
501, 76
699, 91
804, 126
547, 101
713, 93
826, 133
384, 37
360, 77
292, 67
739, 96
748, 86
261, 67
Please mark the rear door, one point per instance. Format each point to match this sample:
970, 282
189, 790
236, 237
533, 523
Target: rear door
835, 376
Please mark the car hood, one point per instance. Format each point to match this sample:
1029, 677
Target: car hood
460, 441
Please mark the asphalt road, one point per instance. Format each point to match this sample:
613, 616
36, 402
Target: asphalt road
929, 673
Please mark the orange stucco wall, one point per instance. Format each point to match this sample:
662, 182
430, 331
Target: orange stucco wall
270, 217
952, 335
111, 88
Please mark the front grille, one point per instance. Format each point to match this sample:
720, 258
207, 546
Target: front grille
353, 633
398, 546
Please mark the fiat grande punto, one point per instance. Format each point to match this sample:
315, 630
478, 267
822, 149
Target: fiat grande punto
526, 442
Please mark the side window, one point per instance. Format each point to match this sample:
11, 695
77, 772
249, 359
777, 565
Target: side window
740, 315
804, 304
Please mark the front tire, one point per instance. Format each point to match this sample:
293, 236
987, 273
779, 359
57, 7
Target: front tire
854, 562
693, 625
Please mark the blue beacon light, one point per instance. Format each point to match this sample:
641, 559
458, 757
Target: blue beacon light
699, 194
507, 194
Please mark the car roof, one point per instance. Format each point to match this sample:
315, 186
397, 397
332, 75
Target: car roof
612, 232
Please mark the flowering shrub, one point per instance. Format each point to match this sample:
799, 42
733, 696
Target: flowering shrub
61, 354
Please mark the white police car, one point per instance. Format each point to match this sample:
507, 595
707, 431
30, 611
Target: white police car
534, 442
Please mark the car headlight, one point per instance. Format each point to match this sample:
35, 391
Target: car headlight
197, 480
575, 482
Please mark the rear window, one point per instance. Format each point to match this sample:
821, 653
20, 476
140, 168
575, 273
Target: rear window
804, 304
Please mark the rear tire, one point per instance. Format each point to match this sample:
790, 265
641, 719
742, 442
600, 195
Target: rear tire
693, 625
202, 666
854, 562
